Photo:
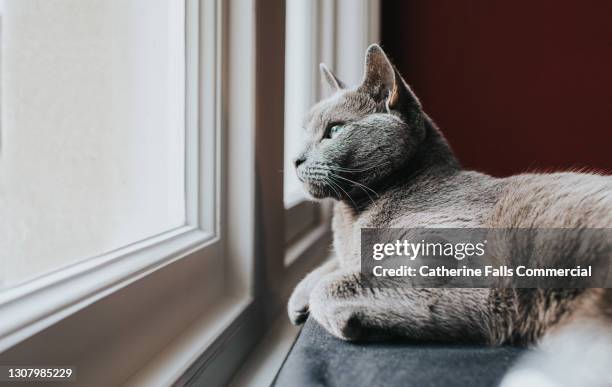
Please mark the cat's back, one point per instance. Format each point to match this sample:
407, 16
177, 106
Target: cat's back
462, 200
472, 199
556, 200
475, 200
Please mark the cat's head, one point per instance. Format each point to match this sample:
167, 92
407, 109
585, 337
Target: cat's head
361, 135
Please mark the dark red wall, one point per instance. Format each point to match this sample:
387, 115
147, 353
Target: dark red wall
514, 85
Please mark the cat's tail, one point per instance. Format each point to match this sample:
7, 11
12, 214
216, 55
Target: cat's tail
579, 354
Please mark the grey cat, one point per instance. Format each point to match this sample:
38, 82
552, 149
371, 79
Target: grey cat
374, 151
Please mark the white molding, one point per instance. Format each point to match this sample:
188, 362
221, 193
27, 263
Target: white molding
38, 304
176, 101
238, 123
193, 345
204, 63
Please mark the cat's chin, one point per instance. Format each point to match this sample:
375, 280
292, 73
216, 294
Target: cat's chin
316, 191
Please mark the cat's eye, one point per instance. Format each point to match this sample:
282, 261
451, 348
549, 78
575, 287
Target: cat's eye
334, 130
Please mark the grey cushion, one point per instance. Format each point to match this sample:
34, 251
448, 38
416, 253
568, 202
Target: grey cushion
319, 359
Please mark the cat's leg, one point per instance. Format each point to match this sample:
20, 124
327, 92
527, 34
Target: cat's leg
297, 307
351, 308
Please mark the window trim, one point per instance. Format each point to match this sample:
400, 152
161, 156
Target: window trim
42, 302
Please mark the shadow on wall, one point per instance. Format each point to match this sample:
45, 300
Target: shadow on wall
514, 86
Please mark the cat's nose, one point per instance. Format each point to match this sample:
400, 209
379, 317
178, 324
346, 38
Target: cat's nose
299, 161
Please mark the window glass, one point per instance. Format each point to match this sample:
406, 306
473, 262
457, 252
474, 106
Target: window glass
92, 132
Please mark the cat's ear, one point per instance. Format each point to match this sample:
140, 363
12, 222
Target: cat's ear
384, 83
330, 78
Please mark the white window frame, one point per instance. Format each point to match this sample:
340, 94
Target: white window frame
186, 306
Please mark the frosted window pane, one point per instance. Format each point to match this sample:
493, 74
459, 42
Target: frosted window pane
92, 141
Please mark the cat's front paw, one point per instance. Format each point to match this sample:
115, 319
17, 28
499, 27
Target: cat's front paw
341, 322
297, 307
330, 306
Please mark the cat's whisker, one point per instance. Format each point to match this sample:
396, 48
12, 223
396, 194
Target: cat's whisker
342, 189
363, 186
331, 185
339, 185
350, 169
366, 192
359, 185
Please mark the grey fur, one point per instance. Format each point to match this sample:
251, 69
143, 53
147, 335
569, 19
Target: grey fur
390, 166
